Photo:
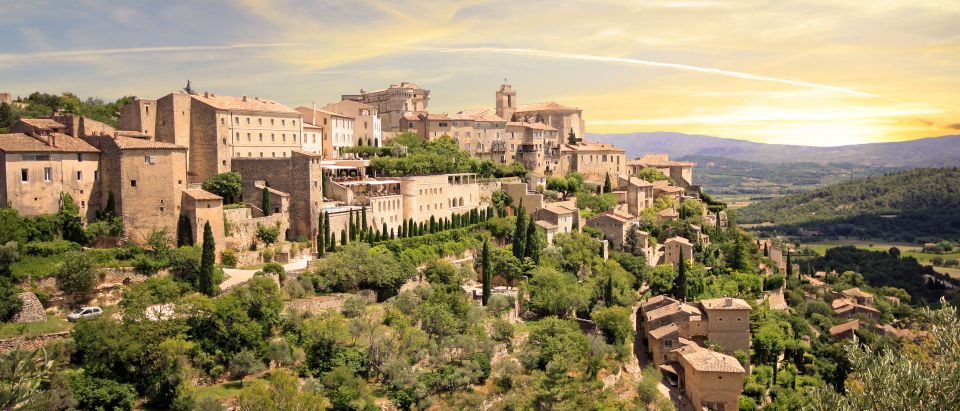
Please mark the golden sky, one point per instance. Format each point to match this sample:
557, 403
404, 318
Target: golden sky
794, 72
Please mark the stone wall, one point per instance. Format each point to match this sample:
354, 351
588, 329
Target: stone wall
31, 343
30, 311
243, 226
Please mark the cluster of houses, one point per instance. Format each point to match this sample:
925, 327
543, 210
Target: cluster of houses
149, 172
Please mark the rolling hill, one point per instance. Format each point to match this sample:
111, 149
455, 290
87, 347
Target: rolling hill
724, 176
912, 205
941, 151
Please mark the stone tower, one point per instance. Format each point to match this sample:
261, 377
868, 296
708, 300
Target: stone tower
506, 102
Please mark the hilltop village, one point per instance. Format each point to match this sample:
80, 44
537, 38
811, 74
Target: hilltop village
399, 258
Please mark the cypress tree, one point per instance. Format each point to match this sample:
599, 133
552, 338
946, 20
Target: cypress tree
321, 236
184, 231
789, 265
403, 226
489, 213
343, 237
265, 201
607, 185
608, 291
423, 227
433, 225
326, 231
352, 226
412, 229
368, 237
392, 236
519, 233
532, 248
363, 218
375, 235
485, 270
681, 285
207, 260
385, 231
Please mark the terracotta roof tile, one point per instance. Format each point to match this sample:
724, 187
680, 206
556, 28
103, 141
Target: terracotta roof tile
847, 326
664, 331
549, 105
199, 194
43, 123
243, 103
705, 360
135, 143
22, 143
725, 303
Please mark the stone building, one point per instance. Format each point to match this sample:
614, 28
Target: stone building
367, 128
639, 193
298, 175
393, 102
41, 163
710, 380
380, 196
595, 161
614, 227
520, 193
5, 97
680, 171
337, 129
725, 321
439, 196
217, 129
564, 218
145, 178
200, 207
676, 249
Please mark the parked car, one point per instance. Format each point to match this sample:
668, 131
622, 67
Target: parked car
84, 312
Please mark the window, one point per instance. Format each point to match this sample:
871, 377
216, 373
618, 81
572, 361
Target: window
224, 141
133, 183
248, 121
223, 121
24, 175
236, 120
260, 121
150, 160
47, 174
79, 175
79, 156
283, 122
96, 175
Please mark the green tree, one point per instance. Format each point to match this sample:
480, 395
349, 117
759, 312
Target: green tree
519, 233
265, 201
485, 270
553, 292
571, 137
77, 273
614, 323
267, 234
184, 231
22, 374
207, 261
282, 392
532, 241
607, 185
661, 279
321, 235
501, 201
71, 225
244, 363
363, 218
227, 185
680, 284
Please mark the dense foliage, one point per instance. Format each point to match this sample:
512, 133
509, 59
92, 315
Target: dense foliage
906, 206
43, 105
439, 156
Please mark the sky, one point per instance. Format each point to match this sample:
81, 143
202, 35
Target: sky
791, 72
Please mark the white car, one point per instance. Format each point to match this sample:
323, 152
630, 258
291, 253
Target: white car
84, 312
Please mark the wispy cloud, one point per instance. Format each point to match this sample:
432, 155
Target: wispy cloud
639, 62
75, 54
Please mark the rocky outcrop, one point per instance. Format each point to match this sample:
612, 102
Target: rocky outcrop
31, 311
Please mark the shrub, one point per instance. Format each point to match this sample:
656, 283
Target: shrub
228, 258
354, 306
267, 255
294, 289
276, 268
614, 323
48, 248
77, 273
774, 282
101, 394
499, 304
502, 331
147, 265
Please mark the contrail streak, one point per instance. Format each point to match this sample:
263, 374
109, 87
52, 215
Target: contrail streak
638, 62
69, 54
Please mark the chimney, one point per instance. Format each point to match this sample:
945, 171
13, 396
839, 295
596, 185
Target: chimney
206, 94
244, 98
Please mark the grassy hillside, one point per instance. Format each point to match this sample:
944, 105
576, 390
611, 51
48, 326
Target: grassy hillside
726, 176
907, 206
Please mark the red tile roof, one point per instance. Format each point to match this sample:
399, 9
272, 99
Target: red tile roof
243, 103
22, 143
134, 143
43, 123
550, 105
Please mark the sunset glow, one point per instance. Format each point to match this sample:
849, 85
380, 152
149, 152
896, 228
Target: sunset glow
813, 73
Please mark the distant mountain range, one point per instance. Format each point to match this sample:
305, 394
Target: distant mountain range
941, 151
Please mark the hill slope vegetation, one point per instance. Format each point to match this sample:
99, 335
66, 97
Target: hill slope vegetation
907, 206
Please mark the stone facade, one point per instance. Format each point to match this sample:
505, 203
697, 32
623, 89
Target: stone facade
681, 172
217, 128
298, 175
367, 128
146, 179
39, 167
393, 102
336, 129
639, 193
710, 380
201, 207
241, 227
676, 249
614, 227
439, 196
